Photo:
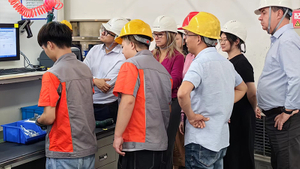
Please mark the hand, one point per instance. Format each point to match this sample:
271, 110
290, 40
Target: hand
181, 127
102, 85
197, 120
118, 141
229, 121
258, 113
282, 118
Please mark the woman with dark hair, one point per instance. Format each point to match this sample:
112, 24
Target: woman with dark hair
180, 42
179, 151
240, 153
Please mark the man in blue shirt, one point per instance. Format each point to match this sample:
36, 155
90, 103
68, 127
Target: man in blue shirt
278, 87
207, 94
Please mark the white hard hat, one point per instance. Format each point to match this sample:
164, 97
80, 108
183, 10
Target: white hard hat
236, 28
115, 25
179, 29
278, 3
164, 23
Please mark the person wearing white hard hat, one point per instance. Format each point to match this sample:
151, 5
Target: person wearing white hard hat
180, 43
166, 52
278, 93
178, 152
242, 120
105, 61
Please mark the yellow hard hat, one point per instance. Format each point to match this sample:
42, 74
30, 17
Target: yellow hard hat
205, 24
67, 23
135, 27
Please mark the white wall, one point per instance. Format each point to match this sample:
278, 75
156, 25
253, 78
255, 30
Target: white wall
242, 10
29, 46
15, 96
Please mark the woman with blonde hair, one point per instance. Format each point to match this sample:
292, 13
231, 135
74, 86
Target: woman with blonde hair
166, 52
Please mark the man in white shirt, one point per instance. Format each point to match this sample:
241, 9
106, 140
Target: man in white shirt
105, 61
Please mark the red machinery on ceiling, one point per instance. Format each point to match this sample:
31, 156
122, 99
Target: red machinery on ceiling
39, 10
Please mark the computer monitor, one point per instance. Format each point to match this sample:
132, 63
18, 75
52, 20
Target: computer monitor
9, 42
46, 61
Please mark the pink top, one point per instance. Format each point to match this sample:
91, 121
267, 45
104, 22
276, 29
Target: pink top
187, 63
175, 67
188, 60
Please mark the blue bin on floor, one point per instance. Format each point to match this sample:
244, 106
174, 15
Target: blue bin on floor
13, 132
28, 112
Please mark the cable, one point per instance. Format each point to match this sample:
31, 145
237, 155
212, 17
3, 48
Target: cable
26, 60
39, 10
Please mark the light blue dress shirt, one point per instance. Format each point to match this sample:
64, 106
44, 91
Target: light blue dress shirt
214, 78
279, 83
105, 65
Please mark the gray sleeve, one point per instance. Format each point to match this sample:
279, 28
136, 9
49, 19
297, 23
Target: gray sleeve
137, 86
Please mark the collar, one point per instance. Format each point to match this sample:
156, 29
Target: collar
65, 56
144, 52
280, 31
116, 49
206, 50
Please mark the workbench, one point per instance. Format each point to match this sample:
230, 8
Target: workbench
13, 155
21, 77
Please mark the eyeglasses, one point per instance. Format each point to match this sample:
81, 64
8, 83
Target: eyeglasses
159, 35
104, 32
223, 40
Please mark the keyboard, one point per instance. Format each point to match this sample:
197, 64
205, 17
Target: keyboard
15, 71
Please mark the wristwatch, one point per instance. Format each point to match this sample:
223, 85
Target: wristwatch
287, 112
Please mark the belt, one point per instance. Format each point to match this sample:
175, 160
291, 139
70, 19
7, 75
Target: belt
273, 111
103, 105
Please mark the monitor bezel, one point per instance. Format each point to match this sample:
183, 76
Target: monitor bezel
9, 25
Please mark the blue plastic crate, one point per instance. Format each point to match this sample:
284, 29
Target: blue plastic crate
12, 132
28, 112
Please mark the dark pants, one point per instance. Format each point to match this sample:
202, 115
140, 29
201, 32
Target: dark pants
285, 144
143, 159
240, 153
106, 111
172, 130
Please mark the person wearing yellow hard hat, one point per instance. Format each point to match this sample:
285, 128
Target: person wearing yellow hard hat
278, 94
66, 97
73, 45
242, 120
67, 23
104, 61
207, 94
145, 88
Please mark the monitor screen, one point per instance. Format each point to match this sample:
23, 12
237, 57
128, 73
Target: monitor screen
9, 42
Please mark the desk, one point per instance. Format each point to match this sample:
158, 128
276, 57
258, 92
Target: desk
21, 77
12, 154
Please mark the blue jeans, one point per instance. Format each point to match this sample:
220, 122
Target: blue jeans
198, 157
71, 163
